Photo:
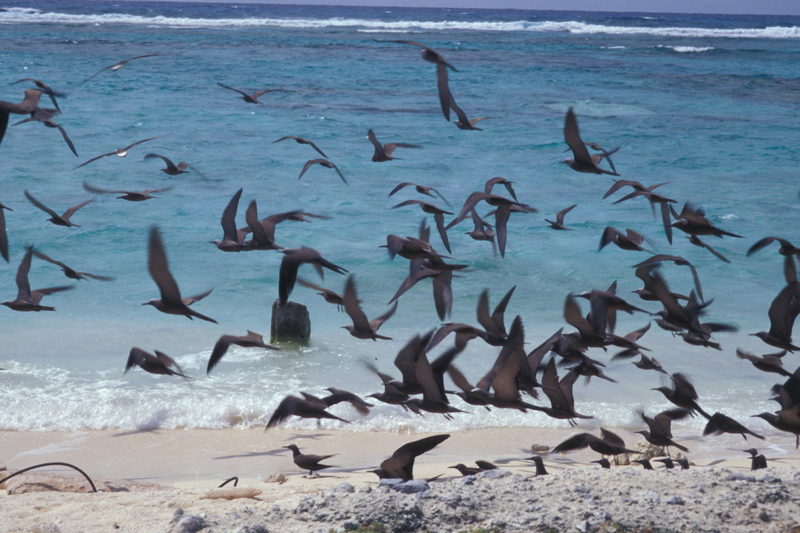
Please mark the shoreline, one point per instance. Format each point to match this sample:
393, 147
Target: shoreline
160, 480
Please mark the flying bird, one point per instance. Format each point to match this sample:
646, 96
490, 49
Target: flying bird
292, 405
116, 66
581, 160
173, 170
422, 189
464, 123
170, 301
131, 196
43, 87
70, 273
325, 163
383, 152
401, 464
249, 98
28, 300
160, 363
361, 328
302, 140
55, 218
251, 340
292, 259
121, 152
28, 106
559, 222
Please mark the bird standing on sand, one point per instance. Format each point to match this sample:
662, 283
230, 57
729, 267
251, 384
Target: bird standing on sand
401, 464
120, 152
251, 340
160, 363
581, 160
249, 98
170, 301
28, 300
55, 218
312, 463
757, 460
292, 259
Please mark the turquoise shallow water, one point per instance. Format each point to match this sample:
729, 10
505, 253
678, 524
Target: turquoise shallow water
707, 104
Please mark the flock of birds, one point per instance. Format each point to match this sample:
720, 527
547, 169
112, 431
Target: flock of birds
515, 377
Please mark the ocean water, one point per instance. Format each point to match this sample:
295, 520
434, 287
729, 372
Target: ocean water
708, 104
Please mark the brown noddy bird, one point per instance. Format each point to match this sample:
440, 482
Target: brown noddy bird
70, 273
401, 464
608, 444
292, 259
28, 106
786, 248
312, 463
302, 140
121, 152
660, 433
693, 221
249, 98
432, 56
539, 462
251, 340
292, 405
787, 420
757, 460
50, 123
3, 234
694, 239
405, 361
581, 160
422, 189
770, 362
463, 122
116, 66
438, 217
719, 424
231, 239
649, 363
490, 183
172, 169
644, 462
131, 196
559, 393
329, 295
631, 241
783, 312
680, 261
559, 222
170, 301
55, 218
28, 300
43, 87
339, 396
361, 328
472, 470
682, 394
383, 152
160, 363
325, 163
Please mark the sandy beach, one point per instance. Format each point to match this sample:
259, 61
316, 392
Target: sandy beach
160, 480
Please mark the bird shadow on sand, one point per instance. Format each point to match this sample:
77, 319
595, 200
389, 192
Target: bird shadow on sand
136, 432
276, 452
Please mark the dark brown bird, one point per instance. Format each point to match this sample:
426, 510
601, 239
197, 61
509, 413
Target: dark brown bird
406, 362
401, 464
251, 340
50, 123
490, 183
770, 362
383, 152
682, 394
131, 196
292, 405
470, 470
560, 394
669, 464
783, 312
70, 273
55, 218
231, 241
422, 189
757, 460
325, 163
786, 248
631, 241
170, 301
581, 160
432, 56
312, 463
537, 460
693, 221
788, 420
680, 261
43, 88
559, 223
249, 98
644, 462
438, 217
482, 231
3, 234
694, 239
292, 259
121, 152
28, 106
719, 424
28, 300
173, 170
329, 295
160, 363
361, 328
660, 433
649, 363
608, 444
301, 140
463, 122
339, 396
116, 66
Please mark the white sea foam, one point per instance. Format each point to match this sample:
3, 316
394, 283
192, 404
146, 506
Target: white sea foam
688, 49
20, 15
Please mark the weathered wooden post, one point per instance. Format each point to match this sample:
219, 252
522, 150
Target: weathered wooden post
290, 323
